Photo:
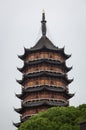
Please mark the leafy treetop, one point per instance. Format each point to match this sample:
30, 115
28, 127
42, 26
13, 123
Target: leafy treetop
57, 118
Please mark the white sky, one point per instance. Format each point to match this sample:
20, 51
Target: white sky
20, 26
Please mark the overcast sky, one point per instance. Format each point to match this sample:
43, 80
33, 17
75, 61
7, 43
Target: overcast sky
20, 27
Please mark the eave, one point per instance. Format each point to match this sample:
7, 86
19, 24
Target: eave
27, 117
44, 74
18, 110
19, 96
45, 61
19, 81
70, 95
17, 124
48, 102
48, 88
45, 87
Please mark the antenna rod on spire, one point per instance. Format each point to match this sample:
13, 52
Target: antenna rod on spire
43, 27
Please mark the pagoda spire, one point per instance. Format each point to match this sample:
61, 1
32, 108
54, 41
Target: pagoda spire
43, 26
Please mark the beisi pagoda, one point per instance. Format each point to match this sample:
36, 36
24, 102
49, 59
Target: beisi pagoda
45, 82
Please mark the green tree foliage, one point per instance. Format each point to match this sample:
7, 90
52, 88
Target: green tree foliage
57, 118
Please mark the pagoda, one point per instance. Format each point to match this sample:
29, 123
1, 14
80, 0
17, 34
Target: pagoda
45, 82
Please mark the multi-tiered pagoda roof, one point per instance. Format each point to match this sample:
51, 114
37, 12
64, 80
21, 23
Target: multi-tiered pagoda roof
45, 80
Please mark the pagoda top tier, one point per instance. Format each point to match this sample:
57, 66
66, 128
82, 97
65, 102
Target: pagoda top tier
44, 44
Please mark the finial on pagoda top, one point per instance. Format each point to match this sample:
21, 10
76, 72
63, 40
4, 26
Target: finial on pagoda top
43, 11
43, 26
43, 15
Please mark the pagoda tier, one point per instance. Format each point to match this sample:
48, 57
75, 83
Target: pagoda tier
45, 93
44, 45
44, 77
41, 102
40, 88
44, 64
44, 74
